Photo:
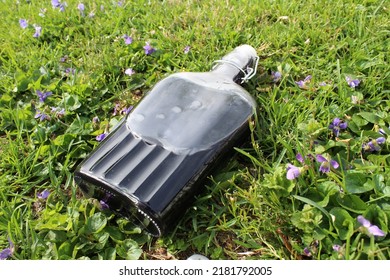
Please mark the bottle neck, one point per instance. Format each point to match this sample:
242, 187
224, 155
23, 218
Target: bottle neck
236, 64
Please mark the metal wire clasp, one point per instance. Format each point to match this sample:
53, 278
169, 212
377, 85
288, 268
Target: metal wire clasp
248, 73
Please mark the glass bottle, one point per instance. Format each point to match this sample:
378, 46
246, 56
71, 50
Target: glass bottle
155, 161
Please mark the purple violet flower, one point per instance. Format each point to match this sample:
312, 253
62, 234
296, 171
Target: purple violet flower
337, 125
126, 110
23, 23
276, 76
325, 164
128, 39
149, 49
307, 252
62, 7
43, 95
95, 120
116, 109
372, 229
7, 252
186, 49
41, 116
323, 84
64, 58
44, 194
129, 71
38, 31
81, 7
302, 83
70, 71
293, 172
374, 145
100, 137
55, 3
103, 205
300, 158
352, 82
59, 112
336, 247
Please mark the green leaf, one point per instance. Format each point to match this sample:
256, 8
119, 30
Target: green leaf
95, 223
70, 102
343, 222
56, 236
356, 182
65, 250
359, 121
114, 233
53, 221
109, 254
310, 202
380, 186
80, 126
352, 203
102, 240
64, 140
370, 117
308, 219
129, 250
278, 182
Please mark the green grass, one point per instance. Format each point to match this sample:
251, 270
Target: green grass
249, 209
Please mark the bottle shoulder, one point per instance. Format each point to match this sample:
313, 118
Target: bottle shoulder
214, 81
186, 113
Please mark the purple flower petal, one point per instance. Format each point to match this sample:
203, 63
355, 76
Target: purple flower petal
103, 205
128, 39
375, 231
43, 195
381, 140
299, 158
41, 116
343, 125
129, 71
334, 163
38, 31
307, 252
336, 247
320, 158
372, 229
55, 3
100, 137
352, 82
81, 7
126, 110
325, 167
43, 95
292, 172
363, 221
5, 254
300, 84
149, 49
23, 23
187, 49
336, 122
